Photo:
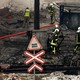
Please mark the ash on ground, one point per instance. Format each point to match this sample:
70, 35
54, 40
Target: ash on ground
60, 76
50, 76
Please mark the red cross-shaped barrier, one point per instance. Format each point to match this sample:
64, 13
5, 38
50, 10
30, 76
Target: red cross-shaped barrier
36, 57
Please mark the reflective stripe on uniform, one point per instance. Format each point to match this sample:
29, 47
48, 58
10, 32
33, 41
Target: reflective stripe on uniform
56, 39
75, 48
52, 43
54, 50
51, 11
77, 37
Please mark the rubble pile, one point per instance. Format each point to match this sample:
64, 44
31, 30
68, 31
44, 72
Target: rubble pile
53, 76
20, 76
12, 48
61, 76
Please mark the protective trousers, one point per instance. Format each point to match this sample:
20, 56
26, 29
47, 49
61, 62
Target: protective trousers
52, 18
53, 46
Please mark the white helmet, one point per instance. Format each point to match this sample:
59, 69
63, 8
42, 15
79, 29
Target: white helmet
56, 25
51, 4
78, 29
57, 30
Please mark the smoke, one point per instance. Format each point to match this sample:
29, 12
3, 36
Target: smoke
22, 4
3, 3
18, 5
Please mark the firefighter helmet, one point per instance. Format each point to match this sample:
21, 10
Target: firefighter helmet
57, 30
56, 25
78, 29
51, 4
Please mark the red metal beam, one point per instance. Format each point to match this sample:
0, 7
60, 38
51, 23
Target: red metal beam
12, 35
49, 25
21, 33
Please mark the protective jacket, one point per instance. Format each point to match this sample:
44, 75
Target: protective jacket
27, 13
77, 39
54, 44
51, 11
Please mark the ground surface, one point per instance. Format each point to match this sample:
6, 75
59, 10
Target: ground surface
12, 49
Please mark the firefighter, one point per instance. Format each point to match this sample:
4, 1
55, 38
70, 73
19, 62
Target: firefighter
77, 39
26, 16
51, 11
54, 41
